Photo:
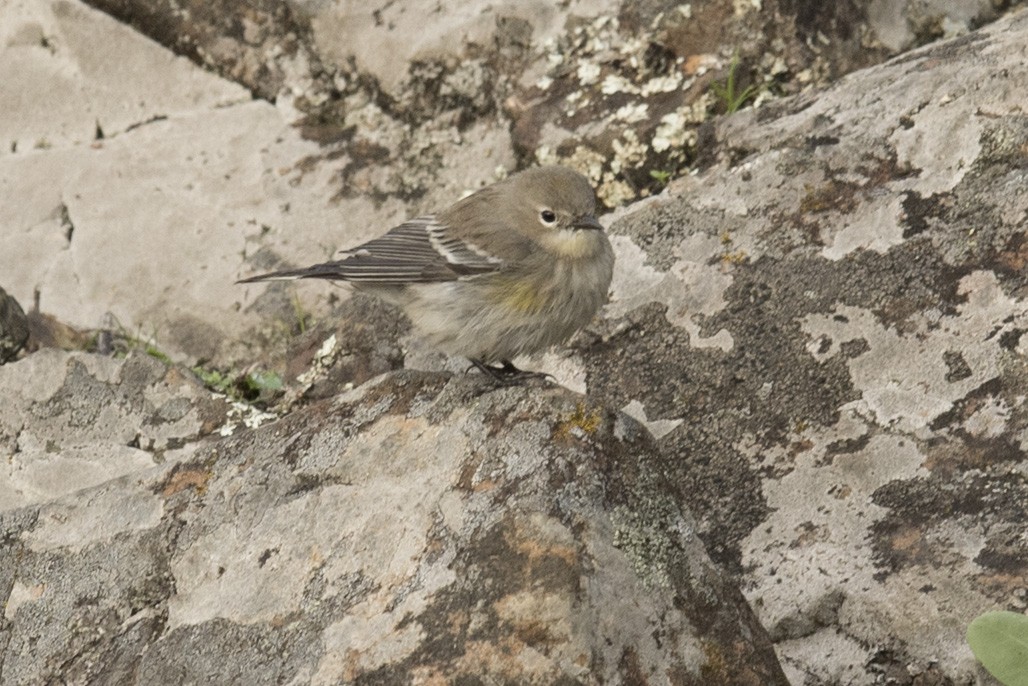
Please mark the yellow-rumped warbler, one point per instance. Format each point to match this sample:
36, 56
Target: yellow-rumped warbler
510, 270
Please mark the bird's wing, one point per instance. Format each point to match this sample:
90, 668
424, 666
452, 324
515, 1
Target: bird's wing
421, 250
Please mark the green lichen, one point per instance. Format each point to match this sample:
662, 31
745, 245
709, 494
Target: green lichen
647, 534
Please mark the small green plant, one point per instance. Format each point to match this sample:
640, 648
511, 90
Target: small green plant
248, 388
727, 91
263, 381
661, 177
214, 380
153, 352
1000, 642
114, 339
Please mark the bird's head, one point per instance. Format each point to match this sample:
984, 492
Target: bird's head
556, 206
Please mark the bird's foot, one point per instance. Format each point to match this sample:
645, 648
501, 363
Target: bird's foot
507, 374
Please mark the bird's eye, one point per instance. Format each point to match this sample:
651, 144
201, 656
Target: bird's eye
548, 216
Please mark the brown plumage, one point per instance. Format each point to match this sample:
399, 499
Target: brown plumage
512, 269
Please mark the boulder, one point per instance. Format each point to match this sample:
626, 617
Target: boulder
421, 528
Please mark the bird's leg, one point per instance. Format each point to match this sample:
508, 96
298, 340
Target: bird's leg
507, 373
508, 369
494, 373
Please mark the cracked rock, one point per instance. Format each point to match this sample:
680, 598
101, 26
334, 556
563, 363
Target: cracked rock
74, 420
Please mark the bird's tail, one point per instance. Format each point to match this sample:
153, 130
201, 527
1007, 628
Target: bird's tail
328, 270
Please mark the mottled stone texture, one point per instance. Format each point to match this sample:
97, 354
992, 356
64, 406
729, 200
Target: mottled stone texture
830, 319
421, 529
617, 87
823, 329
70, 421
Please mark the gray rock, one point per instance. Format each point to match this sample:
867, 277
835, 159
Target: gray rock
422, 527
900, 24
101, 79
618, 88
823, 327
71, 421
828, 324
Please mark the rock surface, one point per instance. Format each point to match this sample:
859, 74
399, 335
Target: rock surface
72, 420
822, 328
420, 529
831, 319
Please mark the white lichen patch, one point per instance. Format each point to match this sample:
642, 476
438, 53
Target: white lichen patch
744, 7
672, 132
324, 358
614, 191
904, 378
616, 83
588, 73
629, 152
584, 159
375, 126
696, 111
662, 84
632, 113
244, 414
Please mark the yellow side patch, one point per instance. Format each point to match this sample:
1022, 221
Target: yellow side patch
522, 297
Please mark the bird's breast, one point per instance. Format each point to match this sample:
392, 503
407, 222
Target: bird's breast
554, 283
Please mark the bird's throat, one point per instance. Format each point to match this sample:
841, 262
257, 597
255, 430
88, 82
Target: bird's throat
572, 244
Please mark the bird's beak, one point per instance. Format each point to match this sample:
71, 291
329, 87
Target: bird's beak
588, 222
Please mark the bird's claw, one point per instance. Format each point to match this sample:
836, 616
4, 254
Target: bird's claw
507, 374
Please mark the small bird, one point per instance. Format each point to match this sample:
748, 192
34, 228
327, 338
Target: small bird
512, 269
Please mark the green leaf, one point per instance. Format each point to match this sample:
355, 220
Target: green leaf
660, 176
264, 381
726, 92
213, 379
157, 354
1000, 642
